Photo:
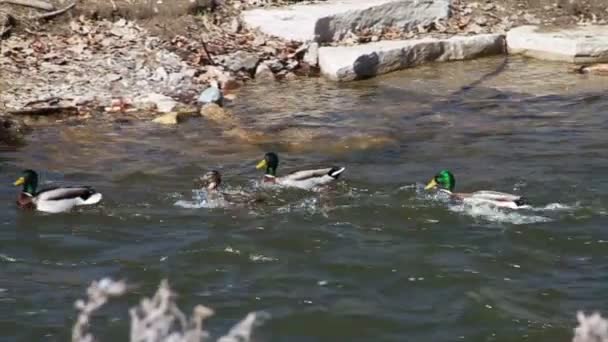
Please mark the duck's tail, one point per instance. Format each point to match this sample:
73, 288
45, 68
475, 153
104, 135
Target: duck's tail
92, 199
336, 171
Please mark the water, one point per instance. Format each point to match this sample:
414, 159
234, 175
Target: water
374, 258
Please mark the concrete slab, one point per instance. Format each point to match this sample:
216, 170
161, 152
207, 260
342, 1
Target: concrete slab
330, 21
581, 44
362, 61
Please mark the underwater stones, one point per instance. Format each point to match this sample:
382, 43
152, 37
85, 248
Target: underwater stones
332, 20
213, 112
581, 44
347, 63
172, 118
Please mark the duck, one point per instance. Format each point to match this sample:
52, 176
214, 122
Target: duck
445, 182
55, 199
212, 181
304, 179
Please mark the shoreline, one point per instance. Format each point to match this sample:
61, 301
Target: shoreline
148, 68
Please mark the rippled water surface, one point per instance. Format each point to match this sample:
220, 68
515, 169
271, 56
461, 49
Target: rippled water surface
374, 258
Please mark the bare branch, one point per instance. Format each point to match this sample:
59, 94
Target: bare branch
54, 13
43, 5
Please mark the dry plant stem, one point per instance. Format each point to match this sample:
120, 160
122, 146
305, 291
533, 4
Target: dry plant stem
54, 13
31, 3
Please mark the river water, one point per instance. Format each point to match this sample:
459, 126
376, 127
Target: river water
374, 258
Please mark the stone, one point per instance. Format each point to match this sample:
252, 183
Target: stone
363, 61
331, 20
312, 54
213, 112
163, 104
263, 73
242, 60
211, 95
172, 118
581, 44
275, 65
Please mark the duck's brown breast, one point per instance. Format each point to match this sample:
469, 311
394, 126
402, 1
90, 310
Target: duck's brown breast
25, 202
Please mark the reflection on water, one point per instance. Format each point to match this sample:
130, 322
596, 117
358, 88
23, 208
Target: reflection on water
373, 258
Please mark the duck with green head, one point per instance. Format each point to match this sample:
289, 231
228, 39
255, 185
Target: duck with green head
445, 181
304, 179
55, 199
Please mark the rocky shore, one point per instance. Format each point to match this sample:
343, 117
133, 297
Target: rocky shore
73, 62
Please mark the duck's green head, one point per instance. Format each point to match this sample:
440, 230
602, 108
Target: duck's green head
444, 180
29, 180
270, 162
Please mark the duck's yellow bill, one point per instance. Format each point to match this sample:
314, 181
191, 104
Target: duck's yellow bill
19, 181
431, 184
262, 164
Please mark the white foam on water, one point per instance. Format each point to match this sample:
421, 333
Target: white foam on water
202, 199
5, 257
488, 212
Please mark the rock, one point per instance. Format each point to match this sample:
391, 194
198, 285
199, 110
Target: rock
290, 76
363, 61
312, 54
172, 118
581, 44
163, 104
263, 73
160, 74
213, 112
211, 95
331, 20
275, 65
235, 25
242, 61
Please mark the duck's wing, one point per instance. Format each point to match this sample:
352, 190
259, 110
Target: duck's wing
332, 172
495, 196
84, 194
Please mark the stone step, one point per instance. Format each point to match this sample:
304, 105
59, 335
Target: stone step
347, 63
581, 44
331, 20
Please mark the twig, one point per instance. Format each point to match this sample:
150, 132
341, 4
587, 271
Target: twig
43, 5
207, 52
54, 13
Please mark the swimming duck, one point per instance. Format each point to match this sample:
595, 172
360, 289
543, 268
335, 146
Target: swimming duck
445, 181
305, 179
212, 180
53, 200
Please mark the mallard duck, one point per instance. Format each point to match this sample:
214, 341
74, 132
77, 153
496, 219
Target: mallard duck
305, 179
53, 200
445, 181
212, 180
